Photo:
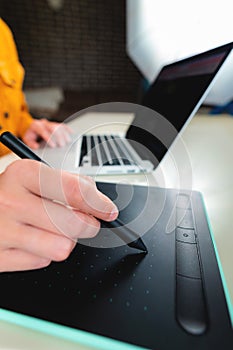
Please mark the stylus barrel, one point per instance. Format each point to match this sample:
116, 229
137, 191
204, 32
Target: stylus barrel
18, 147
127, 235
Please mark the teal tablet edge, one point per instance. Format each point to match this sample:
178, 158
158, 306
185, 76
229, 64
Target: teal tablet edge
75, 335
224, 282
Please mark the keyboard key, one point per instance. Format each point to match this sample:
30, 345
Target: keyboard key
83, 150
94, 158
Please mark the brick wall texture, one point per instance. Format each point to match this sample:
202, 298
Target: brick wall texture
79, 47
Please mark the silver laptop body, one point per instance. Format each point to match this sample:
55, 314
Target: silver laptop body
174, 97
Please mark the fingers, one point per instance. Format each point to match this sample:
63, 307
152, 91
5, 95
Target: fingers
30, 139
35, 227
37, 130
37, 242
18, 260
79, 192
54, 218
35, 231
55, 134
59, 133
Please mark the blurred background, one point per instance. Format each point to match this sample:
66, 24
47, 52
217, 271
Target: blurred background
73, 52
78, 53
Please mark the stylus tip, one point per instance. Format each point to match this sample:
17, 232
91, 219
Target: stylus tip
138, 244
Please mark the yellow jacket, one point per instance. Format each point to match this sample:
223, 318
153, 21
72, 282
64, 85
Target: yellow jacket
14, 115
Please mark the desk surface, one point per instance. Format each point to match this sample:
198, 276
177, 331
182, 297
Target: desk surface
209, 145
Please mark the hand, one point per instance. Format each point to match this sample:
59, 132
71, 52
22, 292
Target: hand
35, 227
55, 134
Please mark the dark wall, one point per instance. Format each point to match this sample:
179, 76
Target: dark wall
80, 47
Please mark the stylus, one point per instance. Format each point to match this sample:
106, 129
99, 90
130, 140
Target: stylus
132, 239
18, 147
23, 151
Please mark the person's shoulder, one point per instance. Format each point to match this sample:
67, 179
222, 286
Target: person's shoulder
5, 28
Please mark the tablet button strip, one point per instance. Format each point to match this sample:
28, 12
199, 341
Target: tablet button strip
190, 300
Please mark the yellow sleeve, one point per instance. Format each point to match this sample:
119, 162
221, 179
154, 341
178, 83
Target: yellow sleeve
25, 118
14, 113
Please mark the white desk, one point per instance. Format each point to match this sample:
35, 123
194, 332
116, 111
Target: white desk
209, 143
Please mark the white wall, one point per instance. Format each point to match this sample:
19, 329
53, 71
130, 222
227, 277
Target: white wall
160, 32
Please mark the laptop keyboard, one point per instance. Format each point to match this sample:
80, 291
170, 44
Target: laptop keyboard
105, 150
190, 299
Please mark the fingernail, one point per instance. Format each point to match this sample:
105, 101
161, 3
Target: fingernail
114, 213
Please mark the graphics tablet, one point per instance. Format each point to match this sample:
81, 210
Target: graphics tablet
119, 298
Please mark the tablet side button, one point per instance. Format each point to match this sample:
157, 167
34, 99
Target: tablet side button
190, 305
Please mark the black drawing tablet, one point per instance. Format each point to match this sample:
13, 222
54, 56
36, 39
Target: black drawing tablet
128, 296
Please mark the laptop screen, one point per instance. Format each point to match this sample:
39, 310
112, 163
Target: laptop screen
176, 94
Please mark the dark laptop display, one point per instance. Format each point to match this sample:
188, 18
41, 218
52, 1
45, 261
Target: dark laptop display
175, 94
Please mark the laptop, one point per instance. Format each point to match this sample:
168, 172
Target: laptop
167, 107
108, 295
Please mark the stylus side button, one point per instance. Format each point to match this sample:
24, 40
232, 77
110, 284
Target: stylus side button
190, 305
187, 262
